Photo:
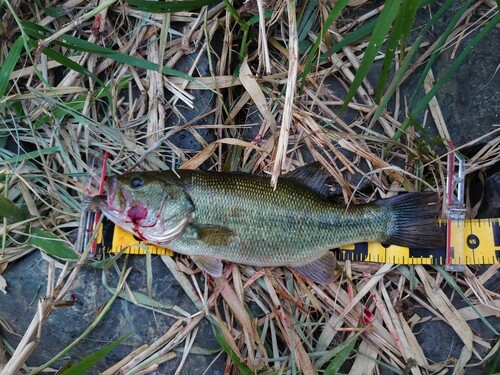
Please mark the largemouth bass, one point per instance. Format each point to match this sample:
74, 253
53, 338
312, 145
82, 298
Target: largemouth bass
237, 217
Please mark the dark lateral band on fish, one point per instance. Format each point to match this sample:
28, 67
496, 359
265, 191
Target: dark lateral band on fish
237, 217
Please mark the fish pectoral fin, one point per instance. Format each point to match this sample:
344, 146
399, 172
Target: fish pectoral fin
213, 266
214, 235
321, 271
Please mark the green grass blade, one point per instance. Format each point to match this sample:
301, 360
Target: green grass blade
332, 16
234, 13
62, 110
55, 11
242, 367
494, 366
442, 40
256, 19
86, 363
366, 29
445, 78
409, 12
450, 280
340, 354
70, 64
306, 21
10, 211
9, 64
399, 35
81, 45
380, 32
49, 243
396, 80
168, 6
140, 298
30, 155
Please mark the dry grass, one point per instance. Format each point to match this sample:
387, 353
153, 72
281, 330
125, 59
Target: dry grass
60, 117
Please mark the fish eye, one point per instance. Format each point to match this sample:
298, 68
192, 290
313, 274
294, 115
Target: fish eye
136, 183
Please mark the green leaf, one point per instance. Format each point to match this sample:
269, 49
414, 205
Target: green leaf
450, 280
30, 155
92, 359
52, 245
234, 13
332, 16
242, 367
74, 43
140, 298
64, 61
493, 367
422, 104
341, 353
399, 34
9, 64
384, 22
255, 19
307, 20
442, 40
168, 6
10, 211
55, 12
361, 32
62, 110
397, 80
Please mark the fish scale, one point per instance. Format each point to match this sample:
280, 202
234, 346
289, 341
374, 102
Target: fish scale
287, 226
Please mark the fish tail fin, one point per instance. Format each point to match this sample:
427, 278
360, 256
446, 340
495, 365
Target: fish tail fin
414, 221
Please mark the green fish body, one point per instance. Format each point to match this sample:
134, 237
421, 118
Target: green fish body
240, 218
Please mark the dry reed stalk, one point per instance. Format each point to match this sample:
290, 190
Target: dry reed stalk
256, 94
286, 121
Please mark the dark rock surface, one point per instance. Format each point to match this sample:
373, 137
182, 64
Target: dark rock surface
204, 101
28, 278
471, 100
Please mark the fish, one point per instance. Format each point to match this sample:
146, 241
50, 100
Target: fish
238, 217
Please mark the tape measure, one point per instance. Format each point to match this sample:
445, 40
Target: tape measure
479, 244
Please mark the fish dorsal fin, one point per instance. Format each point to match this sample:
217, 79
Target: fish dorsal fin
213, 266
314, 176
214, 235
321, 271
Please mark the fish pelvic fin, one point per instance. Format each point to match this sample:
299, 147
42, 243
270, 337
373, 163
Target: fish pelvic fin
414, 221
213, 266
321, 271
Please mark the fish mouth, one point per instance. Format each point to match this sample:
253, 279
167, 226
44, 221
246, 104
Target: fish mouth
119, 206
102, 203
110, 203
100, 200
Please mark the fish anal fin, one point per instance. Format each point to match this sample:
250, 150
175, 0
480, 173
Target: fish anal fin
213, 266
321, 271
215, 235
